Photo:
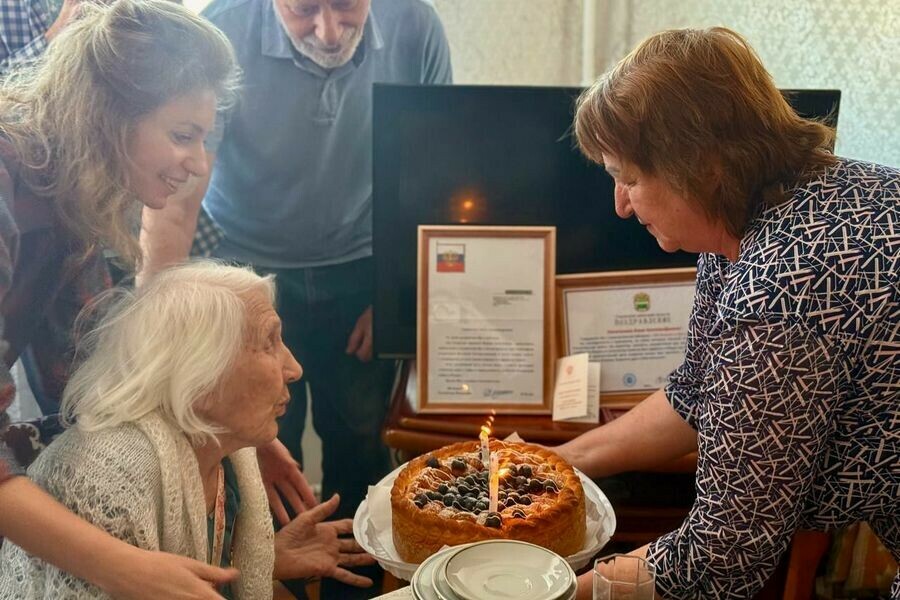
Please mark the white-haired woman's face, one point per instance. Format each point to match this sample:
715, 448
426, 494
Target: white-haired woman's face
166, 147
255, 391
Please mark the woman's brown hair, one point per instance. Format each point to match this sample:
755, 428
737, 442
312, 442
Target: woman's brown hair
697, 106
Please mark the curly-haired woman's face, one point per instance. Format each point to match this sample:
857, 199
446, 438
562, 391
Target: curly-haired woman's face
166, 147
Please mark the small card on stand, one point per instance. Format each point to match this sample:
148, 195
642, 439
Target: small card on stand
571, 389
593, 396
576, 396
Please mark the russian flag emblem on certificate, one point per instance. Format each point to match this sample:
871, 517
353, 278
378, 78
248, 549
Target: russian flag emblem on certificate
451, 258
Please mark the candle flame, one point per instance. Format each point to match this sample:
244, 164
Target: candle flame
486, 428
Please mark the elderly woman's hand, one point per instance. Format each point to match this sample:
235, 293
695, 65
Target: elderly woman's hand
282, 475
307, 547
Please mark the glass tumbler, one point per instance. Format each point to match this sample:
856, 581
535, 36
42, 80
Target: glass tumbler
624, 577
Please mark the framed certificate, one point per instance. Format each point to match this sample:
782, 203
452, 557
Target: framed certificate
485, 316
634, 323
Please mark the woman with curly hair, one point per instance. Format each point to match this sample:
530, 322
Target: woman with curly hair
112, 118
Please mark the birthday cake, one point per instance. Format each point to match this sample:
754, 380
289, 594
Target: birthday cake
444, 499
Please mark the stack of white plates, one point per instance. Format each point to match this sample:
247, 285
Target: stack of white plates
494, 570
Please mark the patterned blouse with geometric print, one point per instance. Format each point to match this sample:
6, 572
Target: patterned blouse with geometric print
792, 380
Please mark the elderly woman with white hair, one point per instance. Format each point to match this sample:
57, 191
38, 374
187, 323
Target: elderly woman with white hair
184, 380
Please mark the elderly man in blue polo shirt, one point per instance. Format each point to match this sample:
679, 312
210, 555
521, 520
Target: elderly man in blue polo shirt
291, 194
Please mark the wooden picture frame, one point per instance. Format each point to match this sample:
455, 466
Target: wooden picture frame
651, 334
503, 271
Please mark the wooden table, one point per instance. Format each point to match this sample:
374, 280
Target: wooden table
412, 434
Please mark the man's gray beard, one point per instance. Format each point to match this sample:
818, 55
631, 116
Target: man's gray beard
310, 47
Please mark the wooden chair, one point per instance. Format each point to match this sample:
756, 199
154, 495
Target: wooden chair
27, 439
806, 552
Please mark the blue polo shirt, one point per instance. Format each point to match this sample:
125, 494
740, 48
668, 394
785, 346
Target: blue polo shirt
292, 183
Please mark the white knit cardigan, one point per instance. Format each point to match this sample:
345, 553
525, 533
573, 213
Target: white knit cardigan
141, 483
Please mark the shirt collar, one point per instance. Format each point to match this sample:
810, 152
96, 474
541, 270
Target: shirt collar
277, 44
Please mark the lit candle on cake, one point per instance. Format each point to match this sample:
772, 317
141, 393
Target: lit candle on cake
494, 482
485, 449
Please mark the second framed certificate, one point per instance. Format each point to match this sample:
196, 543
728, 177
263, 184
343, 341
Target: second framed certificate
485, 319
634, 323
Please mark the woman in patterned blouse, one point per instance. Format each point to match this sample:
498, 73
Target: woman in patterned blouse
790, 387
